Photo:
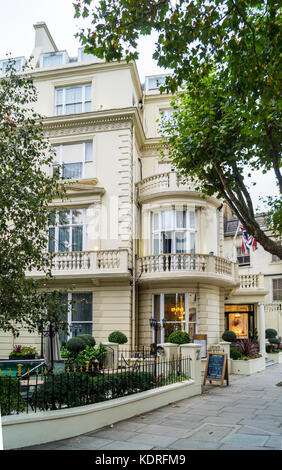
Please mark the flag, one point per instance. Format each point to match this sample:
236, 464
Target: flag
248, 241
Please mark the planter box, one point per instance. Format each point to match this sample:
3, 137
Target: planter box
26, 357
247, 367
275, 357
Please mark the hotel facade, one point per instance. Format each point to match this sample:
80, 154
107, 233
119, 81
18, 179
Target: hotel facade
133, 240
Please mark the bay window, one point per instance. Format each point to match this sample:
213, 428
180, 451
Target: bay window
67, 230
174, 231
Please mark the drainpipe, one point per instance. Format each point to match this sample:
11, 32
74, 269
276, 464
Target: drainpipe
219, 251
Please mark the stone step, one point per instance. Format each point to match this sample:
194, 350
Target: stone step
269, 363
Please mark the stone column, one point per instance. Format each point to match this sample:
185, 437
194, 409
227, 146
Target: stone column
194, 352
261, 329
171, 351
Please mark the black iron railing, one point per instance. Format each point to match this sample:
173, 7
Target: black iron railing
78, 386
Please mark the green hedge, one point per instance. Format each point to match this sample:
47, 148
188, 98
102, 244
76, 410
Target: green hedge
10, 398
76, 389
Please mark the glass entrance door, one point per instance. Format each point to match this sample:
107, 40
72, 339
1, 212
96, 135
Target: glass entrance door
240, 319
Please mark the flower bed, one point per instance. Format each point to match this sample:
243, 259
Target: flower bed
248, 365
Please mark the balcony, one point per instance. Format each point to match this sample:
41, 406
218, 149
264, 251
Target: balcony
163, 184
88, 264
186, 266
251, 284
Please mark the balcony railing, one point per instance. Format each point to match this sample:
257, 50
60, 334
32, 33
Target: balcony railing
205, 266
251, 281
88, 263
163, 182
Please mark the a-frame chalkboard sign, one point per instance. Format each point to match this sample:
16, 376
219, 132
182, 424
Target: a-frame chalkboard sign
216, 368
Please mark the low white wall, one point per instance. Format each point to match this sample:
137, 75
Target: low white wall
275, 357
245, 367
47, 426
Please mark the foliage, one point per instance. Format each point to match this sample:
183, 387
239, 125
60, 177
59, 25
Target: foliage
117, 337
248, 348
229, 336
224, 54
179, 337
79, 352
25, 194
89, 339
235, 354
75, 389
75, 345
10, 400
19, 350
270, 333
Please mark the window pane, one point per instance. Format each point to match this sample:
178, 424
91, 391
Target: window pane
77, 239
77, 217
73, 94
156, 244
192, 219
157, 307
277, 289
64, 217
192, 242
167, 219
73, 108
59, 96
51, 240
87, 92
87, 106
181, 219
52, 218
180, 242
88, 151
82, 307
64, 238
59, 110
72, 170
192, 307
81, 329
56, 59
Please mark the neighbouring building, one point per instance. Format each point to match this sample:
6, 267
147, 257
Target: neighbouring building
134, 241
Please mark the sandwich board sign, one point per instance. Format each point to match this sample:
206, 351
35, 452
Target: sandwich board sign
216, 368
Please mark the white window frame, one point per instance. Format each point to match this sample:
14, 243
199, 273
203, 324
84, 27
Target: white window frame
64, 55
173, 230
4, 63
60, 163
274, 278
83, 101
83, 57
160, 81
57, 226
187, 322
247, 254
70, 320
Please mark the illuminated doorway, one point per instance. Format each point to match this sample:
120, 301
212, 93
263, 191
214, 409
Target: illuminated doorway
240, 319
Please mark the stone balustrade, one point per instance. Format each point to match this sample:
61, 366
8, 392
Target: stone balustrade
162, 183
88, 263
251, 281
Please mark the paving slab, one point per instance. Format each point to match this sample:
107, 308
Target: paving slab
245, 415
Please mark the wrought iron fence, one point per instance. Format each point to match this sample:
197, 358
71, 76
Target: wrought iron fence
77, 386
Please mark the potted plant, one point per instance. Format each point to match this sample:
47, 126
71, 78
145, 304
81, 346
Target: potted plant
22, 352
272, 349
248, 361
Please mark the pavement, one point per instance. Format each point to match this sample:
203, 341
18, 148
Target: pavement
246, 415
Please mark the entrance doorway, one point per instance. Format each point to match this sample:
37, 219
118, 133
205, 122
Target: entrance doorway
240, 319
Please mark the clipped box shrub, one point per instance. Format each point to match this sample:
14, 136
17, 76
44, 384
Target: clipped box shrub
229, 336
75, 345
179, 337
117, 337
270, 333
89, 340
235, 354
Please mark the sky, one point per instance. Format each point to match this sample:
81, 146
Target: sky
17, 37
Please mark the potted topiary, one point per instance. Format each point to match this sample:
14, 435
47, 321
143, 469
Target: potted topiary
117, 337
229, 336
272, 349
179, 337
